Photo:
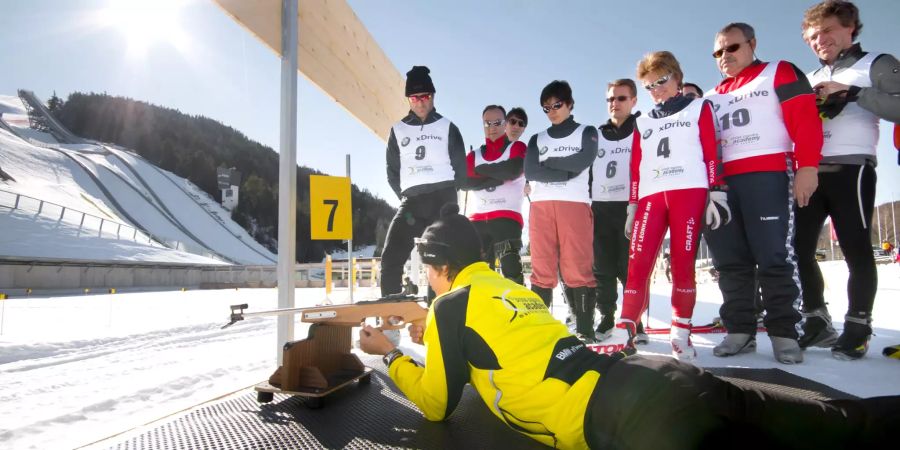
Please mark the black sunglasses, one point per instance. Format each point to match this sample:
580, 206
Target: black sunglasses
727, 49
554, 107
517, 122
621, 98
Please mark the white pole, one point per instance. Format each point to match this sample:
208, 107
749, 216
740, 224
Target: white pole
350, 244
893, 220
878, 218
287, 173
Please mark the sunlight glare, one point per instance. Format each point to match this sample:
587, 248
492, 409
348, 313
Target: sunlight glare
145, 23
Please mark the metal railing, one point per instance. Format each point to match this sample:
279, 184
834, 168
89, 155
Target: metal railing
104, 227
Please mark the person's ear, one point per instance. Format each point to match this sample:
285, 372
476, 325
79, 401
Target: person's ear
753, 45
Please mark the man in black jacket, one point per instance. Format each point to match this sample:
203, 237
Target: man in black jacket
426, 161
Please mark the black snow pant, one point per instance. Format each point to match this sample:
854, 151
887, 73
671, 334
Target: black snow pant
413, 216
660, 403
501, 241
847, 194
610, 252
759, 239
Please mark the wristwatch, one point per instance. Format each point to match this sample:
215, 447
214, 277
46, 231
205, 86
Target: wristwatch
391, 356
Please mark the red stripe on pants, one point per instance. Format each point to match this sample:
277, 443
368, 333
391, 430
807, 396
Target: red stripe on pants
682, 210
562, 241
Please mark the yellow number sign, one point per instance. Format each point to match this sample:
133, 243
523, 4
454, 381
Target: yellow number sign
329, 208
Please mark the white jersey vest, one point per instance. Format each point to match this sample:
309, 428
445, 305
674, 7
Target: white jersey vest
573, 190
424, 154
611, 174
750, 119
671, 154
506, 197
854, 131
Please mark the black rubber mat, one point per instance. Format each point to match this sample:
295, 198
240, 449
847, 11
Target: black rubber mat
378, 416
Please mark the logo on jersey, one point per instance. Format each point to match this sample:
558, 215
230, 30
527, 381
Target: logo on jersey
601, 153
428, 137
405, 141
672, 171
647, 134
521, 306
415, 170
738, 98
491, 189
544, 150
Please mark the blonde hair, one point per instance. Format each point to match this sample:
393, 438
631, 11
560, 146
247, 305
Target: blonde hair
663, 62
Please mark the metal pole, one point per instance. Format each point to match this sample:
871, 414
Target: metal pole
893, 220
350, 245
287, 172
878, 218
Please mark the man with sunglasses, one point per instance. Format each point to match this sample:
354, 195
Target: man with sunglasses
497, 184
854, 89
609, 194
426, 161
516, 122
768, 126
557, 163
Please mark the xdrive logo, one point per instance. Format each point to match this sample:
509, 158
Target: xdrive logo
618, 150
647, 133
675, 124
405, 141
427, 137
742, 97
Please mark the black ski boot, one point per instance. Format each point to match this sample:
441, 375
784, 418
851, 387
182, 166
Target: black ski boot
546, 294
853, 343
585, 298
817, 329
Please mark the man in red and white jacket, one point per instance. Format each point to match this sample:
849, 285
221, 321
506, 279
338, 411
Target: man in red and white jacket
497, 183
769, 127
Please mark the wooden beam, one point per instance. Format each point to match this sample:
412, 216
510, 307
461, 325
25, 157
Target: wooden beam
336, 53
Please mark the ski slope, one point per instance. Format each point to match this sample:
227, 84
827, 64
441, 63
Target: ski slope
79, 369
117, 185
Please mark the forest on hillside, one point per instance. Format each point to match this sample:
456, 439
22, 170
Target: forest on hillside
194, 147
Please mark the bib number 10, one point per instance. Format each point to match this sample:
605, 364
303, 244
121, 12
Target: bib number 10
738, 118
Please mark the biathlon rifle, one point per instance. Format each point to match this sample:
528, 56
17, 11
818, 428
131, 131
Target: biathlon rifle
395, 312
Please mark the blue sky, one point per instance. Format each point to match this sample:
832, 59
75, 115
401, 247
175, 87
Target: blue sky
480, 52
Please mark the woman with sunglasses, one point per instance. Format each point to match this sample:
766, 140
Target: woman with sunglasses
673, 166
560, 223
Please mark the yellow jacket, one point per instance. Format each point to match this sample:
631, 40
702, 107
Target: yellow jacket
526, 366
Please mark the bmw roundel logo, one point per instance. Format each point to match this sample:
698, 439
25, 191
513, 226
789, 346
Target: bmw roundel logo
544, 150
601, 153
405, 141
647, 133
491, 189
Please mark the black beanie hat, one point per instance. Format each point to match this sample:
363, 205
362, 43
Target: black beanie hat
451, 240
418, 81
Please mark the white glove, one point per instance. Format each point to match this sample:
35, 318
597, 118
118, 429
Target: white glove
718, 204
629, 219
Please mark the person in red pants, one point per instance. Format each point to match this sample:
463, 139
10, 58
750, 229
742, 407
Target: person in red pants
674, 178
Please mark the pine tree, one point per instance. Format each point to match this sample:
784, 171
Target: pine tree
55, 104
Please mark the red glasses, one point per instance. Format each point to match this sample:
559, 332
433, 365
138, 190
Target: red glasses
420, 98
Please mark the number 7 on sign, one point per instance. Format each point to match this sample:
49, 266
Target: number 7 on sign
330, 208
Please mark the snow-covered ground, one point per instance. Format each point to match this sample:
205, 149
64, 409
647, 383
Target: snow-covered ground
78, 369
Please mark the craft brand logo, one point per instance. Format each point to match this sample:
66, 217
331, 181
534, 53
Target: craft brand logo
405, 141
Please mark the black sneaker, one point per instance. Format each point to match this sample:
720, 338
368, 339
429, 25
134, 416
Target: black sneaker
854, 341
817, 330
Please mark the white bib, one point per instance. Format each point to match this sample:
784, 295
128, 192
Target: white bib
506, 197
854, 131
424, 154
671, 154
750, 119
611, 175
573, 190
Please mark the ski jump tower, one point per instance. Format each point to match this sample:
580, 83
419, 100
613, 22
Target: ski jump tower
327, 43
